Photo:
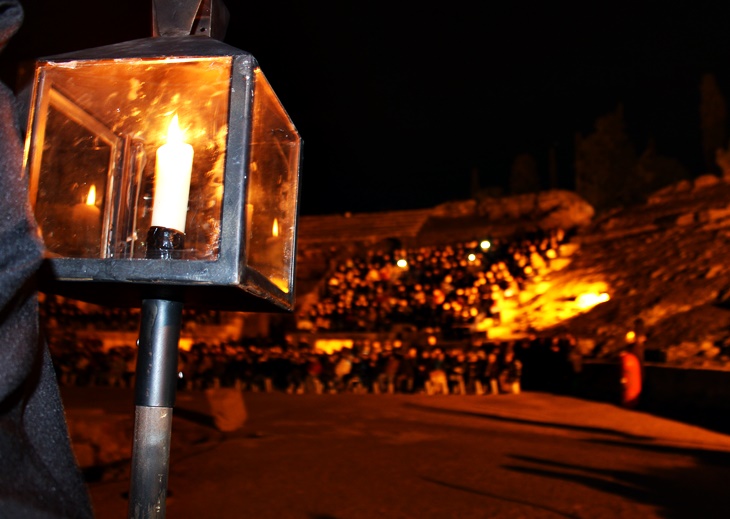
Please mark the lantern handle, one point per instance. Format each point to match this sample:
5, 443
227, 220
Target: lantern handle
189, 17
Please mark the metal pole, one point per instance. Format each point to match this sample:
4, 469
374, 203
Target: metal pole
155, 386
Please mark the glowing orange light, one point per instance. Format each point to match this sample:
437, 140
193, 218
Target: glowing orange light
438, 296
275, 228
330, 346
588, 300
91, 197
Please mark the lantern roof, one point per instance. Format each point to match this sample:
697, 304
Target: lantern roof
154, 47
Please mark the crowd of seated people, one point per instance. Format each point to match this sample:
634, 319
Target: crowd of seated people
61, 313
368, 367
488, 368
448, 287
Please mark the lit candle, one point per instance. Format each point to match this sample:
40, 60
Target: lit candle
172, 180
86, 219
275, 228
274, 242
275, 257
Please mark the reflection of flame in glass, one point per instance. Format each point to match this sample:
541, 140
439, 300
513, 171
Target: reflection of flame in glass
91, 197
630, 336
275, 228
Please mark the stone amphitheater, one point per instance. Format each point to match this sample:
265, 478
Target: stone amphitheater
663, 261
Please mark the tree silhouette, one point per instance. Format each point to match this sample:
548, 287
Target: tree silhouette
605, 164
712, 120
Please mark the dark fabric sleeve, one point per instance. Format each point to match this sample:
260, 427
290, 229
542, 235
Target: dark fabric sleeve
39, 476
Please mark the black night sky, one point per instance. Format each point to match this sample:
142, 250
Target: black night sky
398, 102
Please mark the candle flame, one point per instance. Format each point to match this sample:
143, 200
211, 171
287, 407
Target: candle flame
275, 228
174, 133
91, 197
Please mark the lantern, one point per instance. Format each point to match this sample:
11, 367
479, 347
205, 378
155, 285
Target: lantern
164, 162
164, 172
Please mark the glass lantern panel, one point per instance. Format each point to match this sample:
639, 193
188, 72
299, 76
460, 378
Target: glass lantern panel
114, 141
271, 204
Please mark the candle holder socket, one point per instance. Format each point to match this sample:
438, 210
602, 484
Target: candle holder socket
164, 243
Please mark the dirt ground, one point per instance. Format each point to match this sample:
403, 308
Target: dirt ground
402, 456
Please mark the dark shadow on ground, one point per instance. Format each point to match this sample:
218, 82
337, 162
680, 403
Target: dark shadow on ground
470, 490
710, 419
710, 457
677, 493
498, 418
196, 417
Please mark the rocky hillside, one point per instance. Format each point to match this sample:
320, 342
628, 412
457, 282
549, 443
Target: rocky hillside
666, 262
